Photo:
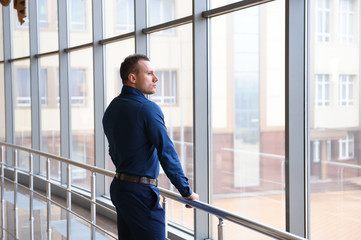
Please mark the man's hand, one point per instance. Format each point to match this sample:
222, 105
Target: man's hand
192, 197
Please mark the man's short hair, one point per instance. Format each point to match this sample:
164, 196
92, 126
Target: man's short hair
130, 65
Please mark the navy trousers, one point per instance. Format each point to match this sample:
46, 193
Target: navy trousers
139, 214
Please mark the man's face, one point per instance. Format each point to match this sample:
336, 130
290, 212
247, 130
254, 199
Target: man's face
145, 79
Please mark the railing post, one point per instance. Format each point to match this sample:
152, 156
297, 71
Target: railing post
68, 201
220, 229
93, 204
340, 179
16, 192
2, 193
48, 196
164, 204
31, 198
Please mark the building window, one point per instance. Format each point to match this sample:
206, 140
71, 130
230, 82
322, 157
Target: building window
323, 20
77, 14
166, 88
346, 85
124, 16
78, 87
23, 87
347, 21
346, 148
322, 90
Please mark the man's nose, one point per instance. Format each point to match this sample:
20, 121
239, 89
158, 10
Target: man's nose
155, 79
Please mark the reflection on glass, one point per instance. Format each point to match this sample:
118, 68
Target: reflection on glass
119, 17
80, 22
48, 25
2, 103
82, 114
248, 144
161, 11
335, 118
20, 33
22, 108
171, 57
50, 113
115, 54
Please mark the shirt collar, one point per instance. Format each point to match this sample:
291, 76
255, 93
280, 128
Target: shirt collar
127, 90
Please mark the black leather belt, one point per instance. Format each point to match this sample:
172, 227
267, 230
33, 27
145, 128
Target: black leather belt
136, 179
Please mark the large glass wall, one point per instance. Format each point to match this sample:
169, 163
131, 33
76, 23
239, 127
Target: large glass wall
82, 114
220, 3
48, 25
2, 82
20, 33
50, 112
1, 35
80, 19
119, 18
161, 11
246, 64
335, 135
248, 114
22, 108
2, 103
114, 55
171, 57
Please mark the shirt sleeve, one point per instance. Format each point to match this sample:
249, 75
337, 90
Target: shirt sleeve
168, 157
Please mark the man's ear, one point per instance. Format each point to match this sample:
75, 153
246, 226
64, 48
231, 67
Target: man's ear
131, 77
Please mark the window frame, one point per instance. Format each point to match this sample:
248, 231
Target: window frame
323, 17
323, 84
346, 83
162, 98
347, 16
346, 149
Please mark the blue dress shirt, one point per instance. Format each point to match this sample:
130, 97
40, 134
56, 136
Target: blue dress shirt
138, 139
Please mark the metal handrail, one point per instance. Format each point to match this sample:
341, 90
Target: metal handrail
220, 213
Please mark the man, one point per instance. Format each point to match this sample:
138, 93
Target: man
138, 141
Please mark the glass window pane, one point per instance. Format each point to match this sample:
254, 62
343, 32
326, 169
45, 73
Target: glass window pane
115, 54
161, 11
23, 86
335, 179
22, 108
247, 69
119, 17
50, 114
82, 114
2, 103
80, 22
20, 33
220, 3
1, 36
42, 13
48, 25
173, 55
231, 231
